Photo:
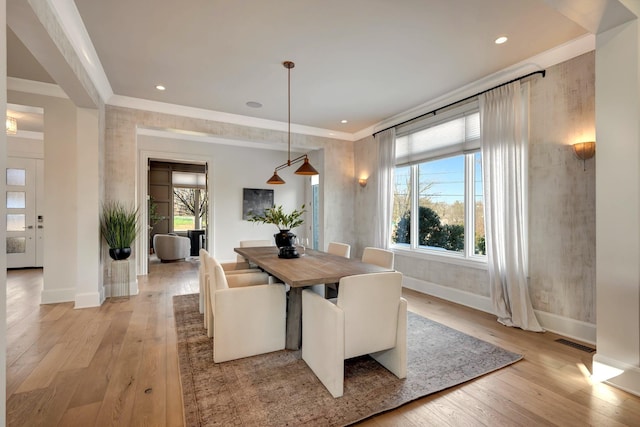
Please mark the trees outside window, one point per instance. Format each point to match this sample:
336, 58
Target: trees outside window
189, 208
447, 194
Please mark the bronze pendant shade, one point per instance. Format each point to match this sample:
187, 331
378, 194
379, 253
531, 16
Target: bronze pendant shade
306, 168
275, 179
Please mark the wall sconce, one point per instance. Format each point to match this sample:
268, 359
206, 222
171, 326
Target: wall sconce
584, 150
12, 126
362, 182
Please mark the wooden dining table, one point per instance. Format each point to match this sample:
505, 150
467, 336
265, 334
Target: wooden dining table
311, 268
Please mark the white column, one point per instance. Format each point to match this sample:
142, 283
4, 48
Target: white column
618, 204
61, 201
3, 223
89, 280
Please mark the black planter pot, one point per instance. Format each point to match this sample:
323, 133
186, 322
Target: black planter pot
284, 238
119, 254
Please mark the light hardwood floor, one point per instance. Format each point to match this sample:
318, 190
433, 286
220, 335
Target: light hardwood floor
117, 365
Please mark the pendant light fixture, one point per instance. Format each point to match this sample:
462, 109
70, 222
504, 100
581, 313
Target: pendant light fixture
306, 168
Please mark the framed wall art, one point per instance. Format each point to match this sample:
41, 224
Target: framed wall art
255, 201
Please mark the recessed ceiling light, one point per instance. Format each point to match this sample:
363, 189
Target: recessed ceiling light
254, 104
344, 121
501, 39
160, 87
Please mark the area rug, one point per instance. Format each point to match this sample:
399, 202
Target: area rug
278, 389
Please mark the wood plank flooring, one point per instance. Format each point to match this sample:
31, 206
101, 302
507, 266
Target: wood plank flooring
116, 365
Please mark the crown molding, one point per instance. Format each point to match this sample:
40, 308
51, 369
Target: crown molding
183, 135
25, 108
364, 133
564, 52
541, 61
71, 22
28, 134
38, 88
218, 116
546, 59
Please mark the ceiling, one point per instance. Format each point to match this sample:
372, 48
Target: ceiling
363, 61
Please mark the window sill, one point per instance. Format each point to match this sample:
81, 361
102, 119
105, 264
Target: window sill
478, 263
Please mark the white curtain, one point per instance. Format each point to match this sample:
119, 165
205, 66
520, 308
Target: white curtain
503, 126
386, 142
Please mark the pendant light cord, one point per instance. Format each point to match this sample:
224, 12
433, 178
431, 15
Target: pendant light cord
289, 66
306, 168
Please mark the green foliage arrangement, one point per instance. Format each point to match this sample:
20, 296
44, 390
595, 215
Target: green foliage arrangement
277, 217
154, 216
118, 224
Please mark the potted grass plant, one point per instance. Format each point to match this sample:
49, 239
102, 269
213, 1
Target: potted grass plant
119, 227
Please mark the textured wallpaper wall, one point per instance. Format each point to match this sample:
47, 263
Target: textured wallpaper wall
561, 200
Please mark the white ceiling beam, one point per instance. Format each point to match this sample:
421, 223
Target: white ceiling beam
595, 16
26, 24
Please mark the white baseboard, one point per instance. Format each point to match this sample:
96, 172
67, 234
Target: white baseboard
564, 326
450, 294
567, 327
85, 300
88, 299
628, 381
53, 296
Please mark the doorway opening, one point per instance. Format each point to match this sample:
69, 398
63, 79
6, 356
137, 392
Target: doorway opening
24, 201
178, 203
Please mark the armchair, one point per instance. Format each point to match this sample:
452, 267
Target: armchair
247, 319
170, 247
369, 317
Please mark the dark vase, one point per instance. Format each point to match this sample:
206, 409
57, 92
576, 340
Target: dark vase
119, 254
284, 238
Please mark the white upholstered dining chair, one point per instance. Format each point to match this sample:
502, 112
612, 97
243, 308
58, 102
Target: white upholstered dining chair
203, 277
340, 249
246, 318
369, 317
252, 244
382, 257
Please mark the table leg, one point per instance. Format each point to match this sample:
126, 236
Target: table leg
294, 319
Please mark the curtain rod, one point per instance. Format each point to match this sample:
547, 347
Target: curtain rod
543, 72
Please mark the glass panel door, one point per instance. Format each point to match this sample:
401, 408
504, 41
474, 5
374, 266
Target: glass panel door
20, 201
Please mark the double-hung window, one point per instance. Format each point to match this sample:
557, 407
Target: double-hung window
189, 201
438, 199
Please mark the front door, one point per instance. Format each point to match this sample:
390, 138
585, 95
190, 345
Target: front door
25, 226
